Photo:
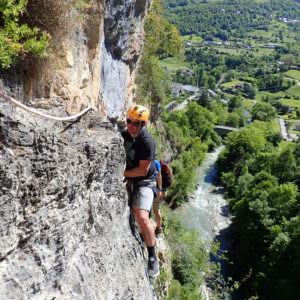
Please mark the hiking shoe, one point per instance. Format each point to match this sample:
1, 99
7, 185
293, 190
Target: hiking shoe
158, 231
153, 267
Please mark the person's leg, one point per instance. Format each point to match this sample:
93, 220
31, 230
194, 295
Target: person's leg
146, 228
156, 206
164, 192
141, 208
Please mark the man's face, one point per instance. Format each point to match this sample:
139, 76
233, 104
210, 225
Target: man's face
133, 126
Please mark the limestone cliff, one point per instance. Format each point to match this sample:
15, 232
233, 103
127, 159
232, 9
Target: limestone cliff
93, 62
64, 218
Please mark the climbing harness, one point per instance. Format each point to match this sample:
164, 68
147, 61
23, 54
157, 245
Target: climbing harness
40, 114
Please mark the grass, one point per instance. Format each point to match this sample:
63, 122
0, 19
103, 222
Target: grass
275, 125
294, 131
226, 50
232, 83
261, 37
295, 74
295, 90
283, 144
172, 64
290, 102
295, 121
262, 94
192, 38
248, 104
247, 79
264, 52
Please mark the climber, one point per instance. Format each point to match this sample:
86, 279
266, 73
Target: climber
139, 174
157, 198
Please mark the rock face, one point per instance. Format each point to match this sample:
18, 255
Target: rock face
64, 216
123, 28
96, 62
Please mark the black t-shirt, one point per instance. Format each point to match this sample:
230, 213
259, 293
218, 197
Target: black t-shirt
139, 148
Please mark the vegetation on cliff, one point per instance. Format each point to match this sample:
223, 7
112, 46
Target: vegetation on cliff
31, 26
17, 38
191, 133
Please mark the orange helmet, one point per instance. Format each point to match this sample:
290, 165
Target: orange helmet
138, 112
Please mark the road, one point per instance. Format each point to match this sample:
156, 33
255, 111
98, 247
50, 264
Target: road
283, 130
171, 106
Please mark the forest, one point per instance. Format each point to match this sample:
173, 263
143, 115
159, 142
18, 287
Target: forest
248, 53
262, 187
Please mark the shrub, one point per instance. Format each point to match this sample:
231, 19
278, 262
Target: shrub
27, 26
17, 38
190, 261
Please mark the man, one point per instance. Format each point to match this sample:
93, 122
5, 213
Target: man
139, 172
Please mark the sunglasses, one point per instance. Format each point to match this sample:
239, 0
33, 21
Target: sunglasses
136, 124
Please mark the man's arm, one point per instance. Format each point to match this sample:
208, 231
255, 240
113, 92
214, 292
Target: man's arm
140, 171
159, 179
159, 183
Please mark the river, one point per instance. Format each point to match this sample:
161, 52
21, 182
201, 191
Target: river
207, 210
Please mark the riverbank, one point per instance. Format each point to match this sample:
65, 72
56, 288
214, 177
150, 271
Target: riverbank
208, 212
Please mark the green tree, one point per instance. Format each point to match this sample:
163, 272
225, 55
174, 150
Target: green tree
263, 112
288, 60
275, 138
284, 165
16, 38
204, 100
234, 120
240, 146
234, 103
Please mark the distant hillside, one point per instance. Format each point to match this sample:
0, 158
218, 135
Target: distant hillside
235, 18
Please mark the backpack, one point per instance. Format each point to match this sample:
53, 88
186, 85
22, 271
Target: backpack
165, 174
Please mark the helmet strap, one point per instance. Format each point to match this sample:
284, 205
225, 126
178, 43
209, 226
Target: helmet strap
140, 127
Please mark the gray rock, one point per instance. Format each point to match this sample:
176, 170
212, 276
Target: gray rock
123, 26
64, 219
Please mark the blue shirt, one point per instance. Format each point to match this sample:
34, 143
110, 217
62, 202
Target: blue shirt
157, 167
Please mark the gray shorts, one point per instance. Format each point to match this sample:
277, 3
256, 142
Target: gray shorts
143, 198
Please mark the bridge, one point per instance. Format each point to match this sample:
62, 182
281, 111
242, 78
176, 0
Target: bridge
224, 130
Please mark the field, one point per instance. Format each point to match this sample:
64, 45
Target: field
172, 64
295, 74
231, 84
275, 125
192, 38
295, 90
291, 103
